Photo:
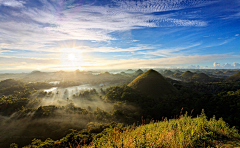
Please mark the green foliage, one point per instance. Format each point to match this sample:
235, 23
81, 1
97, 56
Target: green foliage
88, 94
74, 138
13, 145
69, 83
11, 104
9, 82
11, 86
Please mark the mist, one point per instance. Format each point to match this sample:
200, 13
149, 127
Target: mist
52, 111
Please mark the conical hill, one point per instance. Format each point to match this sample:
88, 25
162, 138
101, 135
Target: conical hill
138, 72
176, 74
153, 84
201, 76
187, 74
167, 72
235, 77
219, 72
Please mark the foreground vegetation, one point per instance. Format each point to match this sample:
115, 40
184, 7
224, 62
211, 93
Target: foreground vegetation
183, 132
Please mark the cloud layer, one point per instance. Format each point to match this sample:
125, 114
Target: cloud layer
14, 63
32, 28
12, 3
226, 65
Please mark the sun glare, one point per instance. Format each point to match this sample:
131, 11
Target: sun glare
71, 57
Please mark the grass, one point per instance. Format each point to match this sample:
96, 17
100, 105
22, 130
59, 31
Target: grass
177, 133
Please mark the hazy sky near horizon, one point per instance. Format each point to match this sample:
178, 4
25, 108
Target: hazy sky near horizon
95, 34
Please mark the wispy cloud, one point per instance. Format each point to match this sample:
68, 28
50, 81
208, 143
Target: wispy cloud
43, 63
26, 63
226, 41
39, 28
116, 49
161, 62
159, 5
169, 52
12, 3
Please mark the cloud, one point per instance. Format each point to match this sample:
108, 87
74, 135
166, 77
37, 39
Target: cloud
159, 5
8, 63
226, 65
233, 16
206, 67
12, 3
227, 41
161, 62
169, 52
41, 28
215, 64
236, 65
221, 43
194, 67
26, 63
116, 49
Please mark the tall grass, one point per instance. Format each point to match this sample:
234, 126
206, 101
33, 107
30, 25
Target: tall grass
178, 133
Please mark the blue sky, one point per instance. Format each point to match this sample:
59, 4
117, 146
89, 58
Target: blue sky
94, 34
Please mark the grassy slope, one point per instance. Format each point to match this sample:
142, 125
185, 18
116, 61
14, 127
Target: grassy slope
183, 132
235, 77
153, 84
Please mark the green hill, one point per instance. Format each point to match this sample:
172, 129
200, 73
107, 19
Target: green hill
230, 72
167, 72
177, 71
9, 82
129, 70
122, 73
219, 72
187, 74
200, 76
153, 84
176, 74
36, 76
138, 72
235, 77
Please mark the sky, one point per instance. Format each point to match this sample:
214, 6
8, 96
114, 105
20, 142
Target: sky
51, 35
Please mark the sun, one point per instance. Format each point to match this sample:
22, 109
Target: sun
71, 57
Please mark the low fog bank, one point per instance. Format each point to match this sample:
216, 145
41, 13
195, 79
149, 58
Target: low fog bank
84, 96
55, 126
50, 113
